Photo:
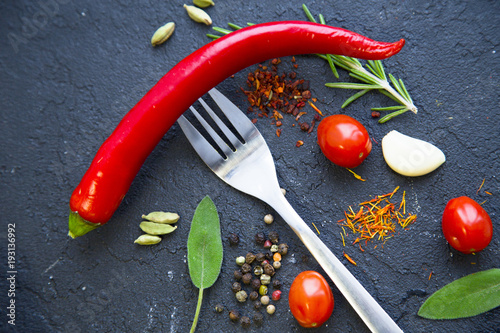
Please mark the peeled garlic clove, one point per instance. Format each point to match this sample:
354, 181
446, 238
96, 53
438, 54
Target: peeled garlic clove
409, 156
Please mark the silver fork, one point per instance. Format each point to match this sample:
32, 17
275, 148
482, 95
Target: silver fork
250, 169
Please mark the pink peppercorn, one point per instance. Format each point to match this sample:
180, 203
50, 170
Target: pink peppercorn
276, 295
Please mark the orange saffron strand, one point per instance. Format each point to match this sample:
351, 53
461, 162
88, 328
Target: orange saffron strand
350, 259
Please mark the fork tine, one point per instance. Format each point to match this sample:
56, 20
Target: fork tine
239, 120
218, 140
227, 132
207, 153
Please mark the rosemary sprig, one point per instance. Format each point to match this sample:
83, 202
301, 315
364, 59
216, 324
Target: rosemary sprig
373, 76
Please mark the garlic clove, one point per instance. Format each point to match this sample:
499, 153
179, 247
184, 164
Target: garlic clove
409, 156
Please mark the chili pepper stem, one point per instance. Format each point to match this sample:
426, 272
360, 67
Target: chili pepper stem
79, 226
198, 309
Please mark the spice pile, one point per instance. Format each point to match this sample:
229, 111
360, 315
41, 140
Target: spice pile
257, 276
272, 95
376, 219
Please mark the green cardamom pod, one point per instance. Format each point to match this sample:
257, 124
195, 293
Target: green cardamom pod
163, 33
198, 15
203, 3
162, 217
152, 228
147, 240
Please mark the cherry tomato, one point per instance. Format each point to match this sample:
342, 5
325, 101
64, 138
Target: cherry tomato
344, 140
466, 225
310, 299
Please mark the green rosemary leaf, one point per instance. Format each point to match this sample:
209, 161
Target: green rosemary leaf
466, 297
384, 92
332, 65
234, 26
381, 70
389, 108
321, 19
396, 85
406, 94
337, 60
355, 97
363, 76
349, 85
392, 115
212, 36
222, 30
308, 13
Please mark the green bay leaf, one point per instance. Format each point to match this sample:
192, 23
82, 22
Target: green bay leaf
466, 297
205, 245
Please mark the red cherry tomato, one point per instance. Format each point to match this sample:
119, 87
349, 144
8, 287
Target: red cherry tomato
344, 140
310, 299
466, 225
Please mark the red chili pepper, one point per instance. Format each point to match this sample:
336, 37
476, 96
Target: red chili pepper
120, 157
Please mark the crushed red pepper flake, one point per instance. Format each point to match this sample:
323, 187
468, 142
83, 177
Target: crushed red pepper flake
377, 218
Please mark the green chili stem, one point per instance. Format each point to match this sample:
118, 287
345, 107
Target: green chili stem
198, 309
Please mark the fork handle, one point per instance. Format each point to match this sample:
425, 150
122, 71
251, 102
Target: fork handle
365, 305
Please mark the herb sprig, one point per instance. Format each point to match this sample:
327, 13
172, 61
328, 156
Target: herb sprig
373, 76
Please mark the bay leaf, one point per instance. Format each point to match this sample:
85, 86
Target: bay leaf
204, 245
465, 297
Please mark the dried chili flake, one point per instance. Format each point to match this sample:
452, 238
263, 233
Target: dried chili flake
299, 143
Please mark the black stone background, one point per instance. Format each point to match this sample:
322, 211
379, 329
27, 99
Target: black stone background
70, 72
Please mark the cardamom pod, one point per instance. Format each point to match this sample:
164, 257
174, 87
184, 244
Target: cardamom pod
152, 228
147, 240
162, 217
163, 33
198, 15
203, 3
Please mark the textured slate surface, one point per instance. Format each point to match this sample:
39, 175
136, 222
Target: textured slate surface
69, 70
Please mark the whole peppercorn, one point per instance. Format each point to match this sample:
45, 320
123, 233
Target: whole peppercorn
265, 300
234, 315
260, 238
269, 269
258, 270
277, 264
246, 278
245, 322
258, 318
276, 284
276, 295
267, 244
271, 309
233, 238
250, 258
254, 296
219, 308
273, 237
262, 290
257, 305
256, 284
283, 249
260, 257
245, 268
274, 248
240, 260
236, 287
241, 296
268, 219
265, 279
237, 275
277, 256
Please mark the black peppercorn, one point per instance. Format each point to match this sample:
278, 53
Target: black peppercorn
237, 275
246, 268
258, 318
247, 278
260, 257
219, 308
256, 284
283, 249
250, 257
233, 239
260, 238
254, 296
234, 315
276, 284
245, 322
269, 269
257, 305
236, 287
273, 237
